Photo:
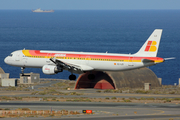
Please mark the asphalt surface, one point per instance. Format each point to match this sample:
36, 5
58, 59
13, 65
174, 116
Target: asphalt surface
102, 111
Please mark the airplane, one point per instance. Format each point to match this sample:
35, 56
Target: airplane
53, 62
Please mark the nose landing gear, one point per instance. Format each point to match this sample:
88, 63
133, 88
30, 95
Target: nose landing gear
22, 70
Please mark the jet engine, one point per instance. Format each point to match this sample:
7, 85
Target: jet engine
51, 69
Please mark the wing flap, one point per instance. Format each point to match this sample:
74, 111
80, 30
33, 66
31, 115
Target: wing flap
71, 66
86, 68
82, 67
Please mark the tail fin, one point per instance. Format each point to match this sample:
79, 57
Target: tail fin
150, 47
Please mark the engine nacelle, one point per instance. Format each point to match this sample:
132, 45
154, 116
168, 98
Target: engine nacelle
50, 69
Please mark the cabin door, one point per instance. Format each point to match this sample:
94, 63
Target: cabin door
17, 58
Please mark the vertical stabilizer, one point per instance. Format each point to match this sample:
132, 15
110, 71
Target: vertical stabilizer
150, 47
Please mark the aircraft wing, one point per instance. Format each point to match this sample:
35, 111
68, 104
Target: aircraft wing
76, 68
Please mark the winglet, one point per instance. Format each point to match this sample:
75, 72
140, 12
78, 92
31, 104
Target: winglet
150, 47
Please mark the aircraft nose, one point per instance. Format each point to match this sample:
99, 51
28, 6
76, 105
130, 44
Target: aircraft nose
6, 60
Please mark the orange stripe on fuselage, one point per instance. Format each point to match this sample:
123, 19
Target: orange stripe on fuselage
91, 56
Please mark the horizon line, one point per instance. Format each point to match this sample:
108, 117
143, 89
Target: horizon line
92, 9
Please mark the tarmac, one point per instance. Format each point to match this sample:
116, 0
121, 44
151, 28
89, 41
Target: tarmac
102, 111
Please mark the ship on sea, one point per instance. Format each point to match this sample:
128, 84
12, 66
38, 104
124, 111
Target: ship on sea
39, 10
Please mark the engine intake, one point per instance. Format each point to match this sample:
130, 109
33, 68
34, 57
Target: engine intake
51, 70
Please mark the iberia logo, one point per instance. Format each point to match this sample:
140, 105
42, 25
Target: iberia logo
151, 46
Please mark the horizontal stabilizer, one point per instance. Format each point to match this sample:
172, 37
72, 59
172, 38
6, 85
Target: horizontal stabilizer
169, 58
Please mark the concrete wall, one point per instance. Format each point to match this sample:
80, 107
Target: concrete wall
9, 82
35, 77
4, 75
29, 78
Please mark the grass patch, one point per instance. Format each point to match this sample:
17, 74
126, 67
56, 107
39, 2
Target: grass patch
142, 91
10, 89
176, 99
133, 98
112, 91
78, 100
127, 100
113, 98
150, 98
98, 91
107, 98
53, 92
172, 92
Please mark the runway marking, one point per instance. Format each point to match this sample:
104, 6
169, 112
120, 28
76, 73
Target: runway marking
161, 111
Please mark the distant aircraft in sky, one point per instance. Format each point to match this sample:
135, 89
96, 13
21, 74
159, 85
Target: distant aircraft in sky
53, 62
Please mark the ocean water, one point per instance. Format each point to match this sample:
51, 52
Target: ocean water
115, 31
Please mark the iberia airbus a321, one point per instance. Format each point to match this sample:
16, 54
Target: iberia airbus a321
53, 62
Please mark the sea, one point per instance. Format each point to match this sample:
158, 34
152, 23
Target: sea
112, 31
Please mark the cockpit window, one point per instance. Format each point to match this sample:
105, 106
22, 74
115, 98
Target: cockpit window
11, 55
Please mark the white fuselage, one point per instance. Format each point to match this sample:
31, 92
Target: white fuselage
89, 61
53, 62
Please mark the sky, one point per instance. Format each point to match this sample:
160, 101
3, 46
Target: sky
90, 4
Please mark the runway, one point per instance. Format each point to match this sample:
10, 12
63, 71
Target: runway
102, 111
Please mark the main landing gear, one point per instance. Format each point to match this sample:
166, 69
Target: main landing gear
72, 77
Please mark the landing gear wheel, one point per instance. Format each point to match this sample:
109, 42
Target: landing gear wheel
72, 77
91, 76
